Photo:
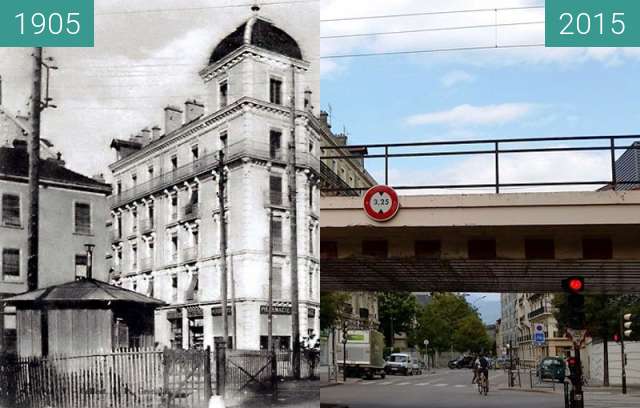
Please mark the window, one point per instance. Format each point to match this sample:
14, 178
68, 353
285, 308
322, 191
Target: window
174, 288
81, 266
176, 331
10, 262
275, 91
174, 248
275, 190
328, 249
119, 256
134, 219
134, 256
276, 282
194, 152
280, 343
224, 92
119, 187
150, 172
310, 284
428, 249
275, 144
196, 333
173, 211
134, 179
539, 249
597, 248
192, 290
119, 225
11, 210
311, 196
224, 142
83, 218
311, 237
276, 235
174, 162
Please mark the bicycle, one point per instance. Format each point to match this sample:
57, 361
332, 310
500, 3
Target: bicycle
483, 383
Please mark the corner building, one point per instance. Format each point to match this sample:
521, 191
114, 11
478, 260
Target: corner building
165, 207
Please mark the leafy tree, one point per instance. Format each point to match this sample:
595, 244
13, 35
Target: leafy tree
331, 304
397, 310
602, 314
446, 319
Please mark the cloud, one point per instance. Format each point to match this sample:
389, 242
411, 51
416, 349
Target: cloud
456, 77
474, 115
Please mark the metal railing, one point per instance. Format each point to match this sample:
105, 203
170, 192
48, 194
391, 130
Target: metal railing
491, 147
189, 254
208, 162
539, 311
146, 264
190, 211
146, 225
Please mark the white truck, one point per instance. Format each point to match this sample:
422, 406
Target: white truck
364, 354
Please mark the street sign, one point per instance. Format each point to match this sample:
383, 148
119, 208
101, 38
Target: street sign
381, 203
577, 336
538, 334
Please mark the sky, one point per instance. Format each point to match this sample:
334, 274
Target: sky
475, 94
147, 55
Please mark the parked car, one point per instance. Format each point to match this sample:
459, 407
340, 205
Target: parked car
401, 363
551, 368
461, 362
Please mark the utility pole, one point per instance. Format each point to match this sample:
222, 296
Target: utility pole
223, 270
34, 170
295, 309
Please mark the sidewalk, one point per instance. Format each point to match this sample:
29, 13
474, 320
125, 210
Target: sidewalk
324, 378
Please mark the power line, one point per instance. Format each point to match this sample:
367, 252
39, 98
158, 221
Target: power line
485, 47
420, 30
430, 13
170, 10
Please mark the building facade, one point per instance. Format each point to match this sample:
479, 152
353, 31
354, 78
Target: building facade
72, 214
531, 309
166, 212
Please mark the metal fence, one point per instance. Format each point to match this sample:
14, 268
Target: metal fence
135, 378
496, 148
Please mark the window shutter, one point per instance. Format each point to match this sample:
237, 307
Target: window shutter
11, 210
277, 282
11, 262
83, 218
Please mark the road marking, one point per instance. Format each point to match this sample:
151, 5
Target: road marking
403, 383
460, 386
422, 384
386, 383
441, 385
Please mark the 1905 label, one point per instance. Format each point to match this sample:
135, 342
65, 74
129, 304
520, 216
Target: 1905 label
46, 23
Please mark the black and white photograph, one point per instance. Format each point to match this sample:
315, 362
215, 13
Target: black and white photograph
160, 210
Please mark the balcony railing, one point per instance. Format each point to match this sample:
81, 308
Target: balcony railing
276, 244
146, 225
538, 312
189, 254
190, 211
243, 148
116, 235
146, 264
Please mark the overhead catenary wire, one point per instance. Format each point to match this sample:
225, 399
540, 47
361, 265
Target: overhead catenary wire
421, 30
431, 13
202, 8
431, 50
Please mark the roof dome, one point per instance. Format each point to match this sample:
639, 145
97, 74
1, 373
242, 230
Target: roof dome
259, 33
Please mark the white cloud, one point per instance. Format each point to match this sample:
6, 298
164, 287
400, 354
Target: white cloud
474, 115
455, 77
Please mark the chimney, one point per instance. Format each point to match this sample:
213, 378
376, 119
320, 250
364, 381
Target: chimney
340, 139
146, 136
324, 119
193, 110
20, 144
172, 119
155, 133
57, 160
139, 139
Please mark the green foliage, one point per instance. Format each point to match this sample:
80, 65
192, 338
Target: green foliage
331, 304
602, 313
398, 309
449, 321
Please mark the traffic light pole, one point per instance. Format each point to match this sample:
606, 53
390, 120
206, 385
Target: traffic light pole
578, 396
624, 371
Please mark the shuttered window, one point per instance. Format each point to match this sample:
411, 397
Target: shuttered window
10, 262
275, 91
276, 235
11, 210
275, 190
81, 266
83, 218
277, 282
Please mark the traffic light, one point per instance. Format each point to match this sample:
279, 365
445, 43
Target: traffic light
572, 362
627, 324
575, 301
616, 338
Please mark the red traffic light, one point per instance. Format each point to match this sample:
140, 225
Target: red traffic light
571, 361
574, 284
616, 337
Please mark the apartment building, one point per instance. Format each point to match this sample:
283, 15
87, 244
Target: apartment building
166, 212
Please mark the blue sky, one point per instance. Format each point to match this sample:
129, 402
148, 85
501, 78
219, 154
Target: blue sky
498, 93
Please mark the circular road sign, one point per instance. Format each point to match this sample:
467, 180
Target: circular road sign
381, 203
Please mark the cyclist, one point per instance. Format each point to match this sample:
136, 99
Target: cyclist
483, 369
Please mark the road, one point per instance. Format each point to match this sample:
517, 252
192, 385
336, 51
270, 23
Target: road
452, 389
